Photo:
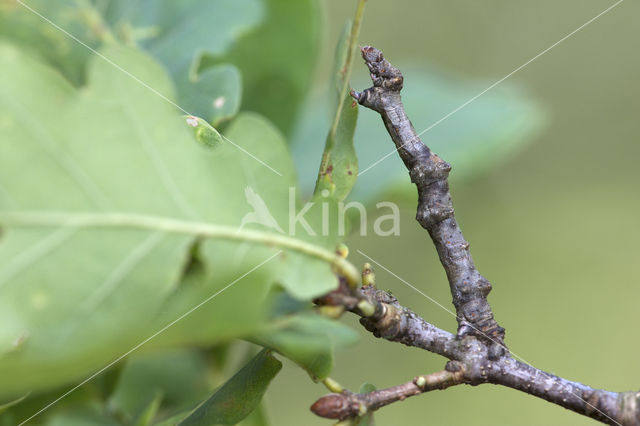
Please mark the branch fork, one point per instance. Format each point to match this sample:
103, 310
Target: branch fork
477, 353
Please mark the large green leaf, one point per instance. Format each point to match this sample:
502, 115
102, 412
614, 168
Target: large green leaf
486, 132
239, 396
103, 196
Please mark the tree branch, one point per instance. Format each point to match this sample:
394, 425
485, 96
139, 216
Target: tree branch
477, 353
470, 359
435, 209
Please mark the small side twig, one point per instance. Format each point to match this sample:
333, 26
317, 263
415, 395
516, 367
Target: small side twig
346, 405
469, 358
386, 318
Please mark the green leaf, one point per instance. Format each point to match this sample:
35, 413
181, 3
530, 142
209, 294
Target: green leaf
239, 396
485, 133
283, 304
174, 419
215, 92
4, 406
81, 416
366, 388
103, 192
218, 356
82, 403
34, 34
309, 341
277, 59
178, 376
271, 43
339, 166
258, 417
184, 30
149, 411
179, 33
104, 385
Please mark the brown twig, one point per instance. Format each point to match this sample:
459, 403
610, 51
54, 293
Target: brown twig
345, 405
477, 351
435, 209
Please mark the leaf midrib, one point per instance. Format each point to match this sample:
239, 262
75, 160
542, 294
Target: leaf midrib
69, 219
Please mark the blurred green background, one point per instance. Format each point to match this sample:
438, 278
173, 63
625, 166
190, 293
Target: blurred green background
554, 229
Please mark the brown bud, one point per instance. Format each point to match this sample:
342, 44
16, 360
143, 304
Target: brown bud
333, 406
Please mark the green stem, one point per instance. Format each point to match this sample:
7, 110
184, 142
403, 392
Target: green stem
353, 44
346, 65
177, 226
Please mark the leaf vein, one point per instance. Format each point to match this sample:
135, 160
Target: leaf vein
158, 164
34, 253
120, 271
63, 159
178, 226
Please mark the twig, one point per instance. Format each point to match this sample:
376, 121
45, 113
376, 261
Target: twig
477, 354
435, 209
470, 356
346, 405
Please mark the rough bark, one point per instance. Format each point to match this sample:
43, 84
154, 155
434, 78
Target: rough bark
435, 208
469, 358
477, 353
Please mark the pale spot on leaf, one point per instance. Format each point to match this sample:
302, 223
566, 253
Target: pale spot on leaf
219, 102
192, 121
